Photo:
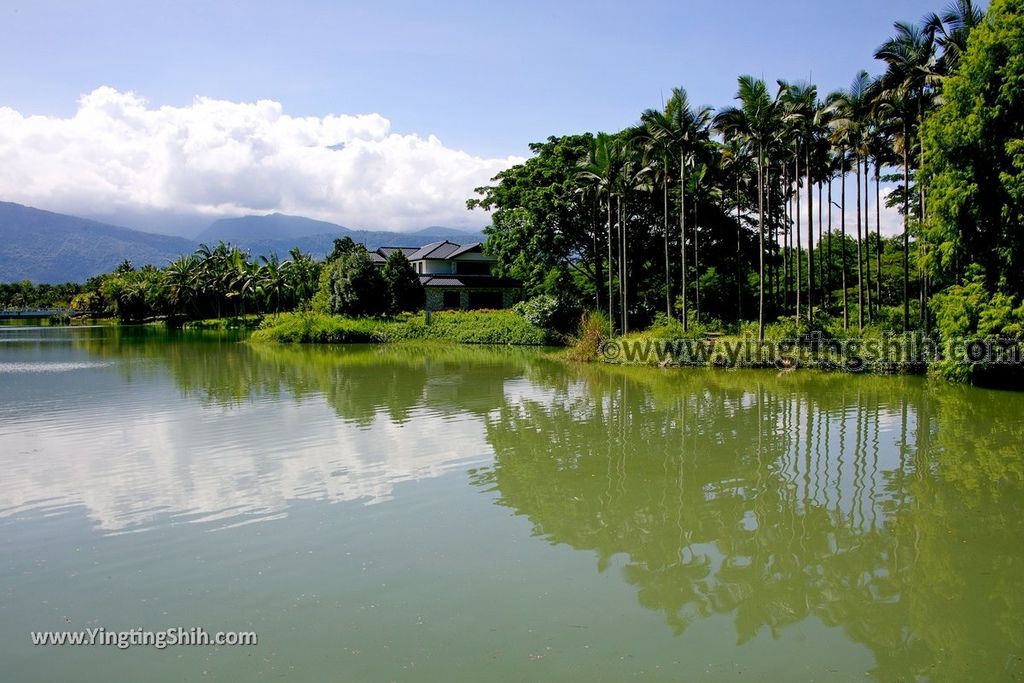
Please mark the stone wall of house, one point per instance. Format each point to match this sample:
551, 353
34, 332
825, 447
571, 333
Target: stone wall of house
435, 298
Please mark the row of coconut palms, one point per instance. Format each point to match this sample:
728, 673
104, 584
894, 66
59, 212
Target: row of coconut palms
763, 160
213, 281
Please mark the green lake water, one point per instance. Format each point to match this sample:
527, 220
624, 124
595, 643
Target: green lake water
475, 514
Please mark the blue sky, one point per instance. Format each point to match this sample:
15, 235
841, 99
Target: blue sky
484, 77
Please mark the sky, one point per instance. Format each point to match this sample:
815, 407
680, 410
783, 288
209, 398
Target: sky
371, 114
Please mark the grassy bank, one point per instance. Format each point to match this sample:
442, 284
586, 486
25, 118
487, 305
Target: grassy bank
871, 351
463, 327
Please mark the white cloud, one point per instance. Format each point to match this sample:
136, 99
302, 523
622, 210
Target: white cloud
892, 220
118, 153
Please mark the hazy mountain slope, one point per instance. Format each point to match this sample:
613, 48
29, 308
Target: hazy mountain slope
321, 245
43, 246
279, 233
453, 234
275, 226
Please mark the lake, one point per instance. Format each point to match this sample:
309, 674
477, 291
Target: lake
466, 514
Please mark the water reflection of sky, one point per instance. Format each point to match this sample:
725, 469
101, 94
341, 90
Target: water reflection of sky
123, 442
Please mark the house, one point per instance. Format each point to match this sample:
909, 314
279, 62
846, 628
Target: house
456, 275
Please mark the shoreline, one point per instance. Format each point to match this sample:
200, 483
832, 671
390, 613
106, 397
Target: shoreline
895, 355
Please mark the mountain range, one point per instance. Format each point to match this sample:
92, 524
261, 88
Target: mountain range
43, 246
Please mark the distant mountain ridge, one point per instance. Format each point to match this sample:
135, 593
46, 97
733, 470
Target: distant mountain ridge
43, 246
276, 229
274, 226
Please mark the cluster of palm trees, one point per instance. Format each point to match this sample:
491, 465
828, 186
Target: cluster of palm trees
213, 282
758, 165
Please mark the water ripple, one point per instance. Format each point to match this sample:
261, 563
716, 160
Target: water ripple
49, 366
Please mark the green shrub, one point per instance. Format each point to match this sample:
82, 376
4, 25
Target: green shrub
540, 310
404, 290
467, 327
555, 314
664, 327
781, 330
355, 286
486, 327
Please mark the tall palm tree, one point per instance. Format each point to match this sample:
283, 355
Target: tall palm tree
250, 286
682, 128
212, 279
737, 164
842, 233
181, 279
273, 281
700, 169
833, 166
879, 145
630, 178
657, 152
803, 117
823, 172
601, 169
756, 121
302, 273
911, 70
849, 110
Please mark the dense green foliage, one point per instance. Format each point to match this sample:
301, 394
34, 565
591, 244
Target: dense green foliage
224, 281
466, 327
25, 295
974, 157
559, 314
354, 286
540, 225
770, 209
213, 282
404, 291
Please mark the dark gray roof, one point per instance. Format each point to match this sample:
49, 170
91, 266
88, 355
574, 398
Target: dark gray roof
435, 250
387, 251
441, 250
464, 248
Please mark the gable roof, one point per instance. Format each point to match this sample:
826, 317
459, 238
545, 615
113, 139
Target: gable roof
387, 251
465, 248
435, 250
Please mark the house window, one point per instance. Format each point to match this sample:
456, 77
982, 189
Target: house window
451, 299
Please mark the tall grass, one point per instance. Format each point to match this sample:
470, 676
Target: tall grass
593, 331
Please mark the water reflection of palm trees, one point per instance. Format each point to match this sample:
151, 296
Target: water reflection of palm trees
885, 507
778, 500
